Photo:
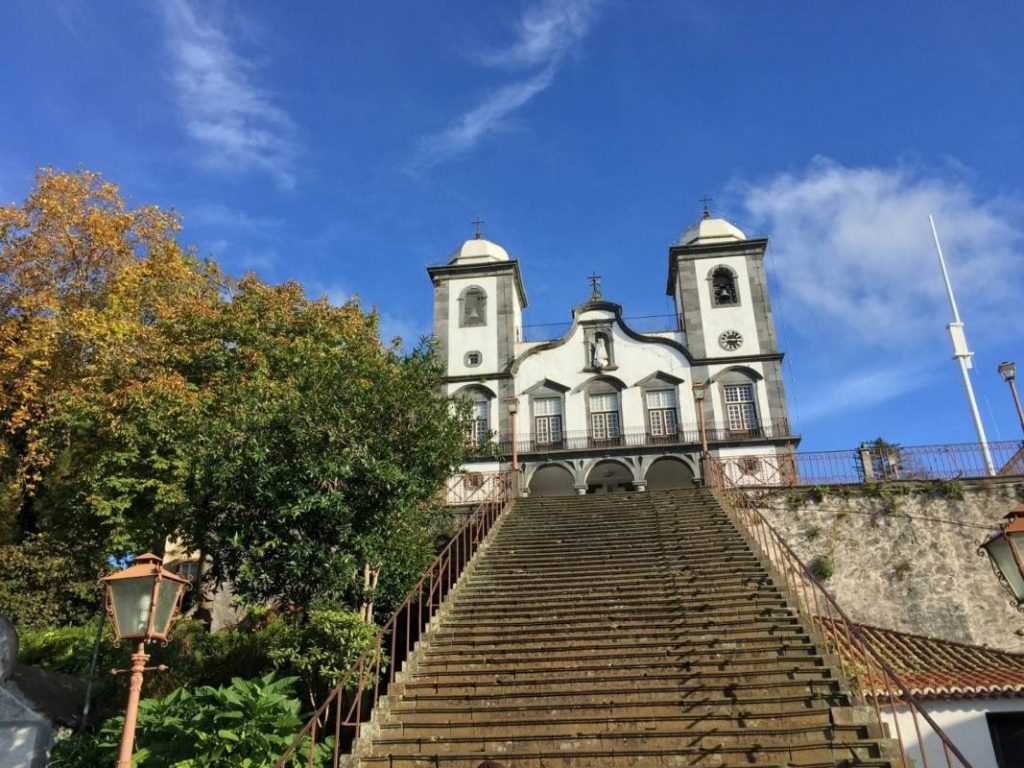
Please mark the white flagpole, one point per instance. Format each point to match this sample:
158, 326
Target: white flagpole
962, 355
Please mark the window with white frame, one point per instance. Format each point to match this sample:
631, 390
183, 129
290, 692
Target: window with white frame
604, 416
740, 410
662, 412
547, 420
480, 426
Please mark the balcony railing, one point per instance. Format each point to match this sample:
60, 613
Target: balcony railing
639, 323
638, 437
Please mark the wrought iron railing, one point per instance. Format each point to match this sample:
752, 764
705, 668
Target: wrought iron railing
635, 437
865, 668
875, 463
638, 323
349, 706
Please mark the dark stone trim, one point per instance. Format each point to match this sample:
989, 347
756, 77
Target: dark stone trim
684, 253
441, 299
476, 387
724, 360
659, 376
748, 373
481, 270
613, 381
546, 384
471, 377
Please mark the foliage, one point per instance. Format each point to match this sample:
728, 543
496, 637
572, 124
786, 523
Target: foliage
952, 489
822, 568
901, 568
795, 500
813, 532
321, 646
247, 723
818, 493
156, 398
40, 586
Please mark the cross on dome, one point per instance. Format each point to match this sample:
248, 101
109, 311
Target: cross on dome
595, 286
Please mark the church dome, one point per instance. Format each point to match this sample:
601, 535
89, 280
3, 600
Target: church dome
478, 251
708, 231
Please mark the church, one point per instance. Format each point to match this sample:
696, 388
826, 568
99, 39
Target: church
605, 408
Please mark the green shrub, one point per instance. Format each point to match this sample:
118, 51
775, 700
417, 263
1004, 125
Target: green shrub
248, 723
320, 647
41, 586
822, 567
818, 493
813, 532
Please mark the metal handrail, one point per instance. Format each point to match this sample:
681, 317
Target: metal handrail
864, 666
347, 707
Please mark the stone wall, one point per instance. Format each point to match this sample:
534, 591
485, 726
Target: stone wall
905, 554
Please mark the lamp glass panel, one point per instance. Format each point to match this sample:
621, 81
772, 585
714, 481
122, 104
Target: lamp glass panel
166, 597
998, 549
131, 605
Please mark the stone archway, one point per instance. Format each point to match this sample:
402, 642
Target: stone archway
551, 480
669, 472
609, 477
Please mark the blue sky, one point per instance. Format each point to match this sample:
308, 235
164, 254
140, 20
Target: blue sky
349, 145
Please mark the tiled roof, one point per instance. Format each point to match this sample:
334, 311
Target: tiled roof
943, 669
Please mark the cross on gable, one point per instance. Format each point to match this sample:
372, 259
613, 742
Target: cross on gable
707, 200
595, 285
478, 223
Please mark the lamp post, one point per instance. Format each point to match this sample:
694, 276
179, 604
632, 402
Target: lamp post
1008, 370
513, 410
1004, 549
700, 390
141, 600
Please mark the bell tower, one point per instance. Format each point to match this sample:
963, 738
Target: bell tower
478, 319
717, 279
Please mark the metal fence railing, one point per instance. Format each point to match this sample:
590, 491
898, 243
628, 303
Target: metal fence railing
335, 726
636, 437
868, 674
638, 323
874, 463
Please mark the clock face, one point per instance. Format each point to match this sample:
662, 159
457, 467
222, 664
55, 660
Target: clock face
730, 341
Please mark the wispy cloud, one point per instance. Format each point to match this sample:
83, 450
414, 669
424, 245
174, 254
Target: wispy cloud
233, 120
853, 245
546, 33
856, 277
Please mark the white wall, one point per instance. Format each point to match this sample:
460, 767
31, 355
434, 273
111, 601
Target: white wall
728, 318
481, 338
964, 722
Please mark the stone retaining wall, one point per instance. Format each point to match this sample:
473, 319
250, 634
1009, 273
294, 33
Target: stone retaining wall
905, 554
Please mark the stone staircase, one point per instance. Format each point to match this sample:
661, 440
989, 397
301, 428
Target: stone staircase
621, 630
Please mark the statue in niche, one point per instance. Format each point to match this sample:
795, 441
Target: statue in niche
599, 357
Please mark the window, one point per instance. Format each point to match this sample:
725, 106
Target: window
661, 410
723, 287
604, 417
474, 306
1007, 730
479, 428
473, 359
547, 420
740, 411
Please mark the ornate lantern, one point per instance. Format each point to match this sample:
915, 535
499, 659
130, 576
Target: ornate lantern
143, 599
1005, 549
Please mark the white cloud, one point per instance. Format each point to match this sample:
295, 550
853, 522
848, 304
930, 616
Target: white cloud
232, 119
852, 246
546, 33
857, 281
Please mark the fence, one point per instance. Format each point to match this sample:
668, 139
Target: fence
638, 323
635, 437
336, 724
874, 463
866, 671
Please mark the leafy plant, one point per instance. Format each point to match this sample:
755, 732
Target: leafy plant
818, 493
246, 724
813, 532
795, 500
952, 489
822, 567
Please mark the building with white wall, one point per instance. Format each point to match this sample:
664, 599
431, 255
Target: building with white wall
603, 407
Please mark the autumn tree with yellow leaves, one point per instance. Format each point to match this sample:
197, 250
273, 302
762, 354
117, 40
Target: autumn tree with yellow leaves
143, 394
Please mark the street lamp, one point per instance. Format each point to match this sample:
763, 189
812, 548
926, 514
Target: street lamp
700, 390
141, 601
1004, 548
513, 409
1008, 370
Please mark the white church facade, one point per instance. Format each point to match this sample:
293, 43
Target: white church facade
604, 408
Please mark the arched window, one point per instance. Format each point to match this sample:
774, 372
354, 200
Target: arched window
478, 431
739, 398
603, 408
723, 287
473, 310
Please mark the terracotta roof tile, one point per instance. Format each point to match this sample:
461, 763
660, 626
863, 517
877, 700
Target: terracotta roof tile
933, 668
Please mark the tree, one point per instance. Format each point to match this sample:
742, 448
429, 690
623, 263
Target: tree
144, 396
